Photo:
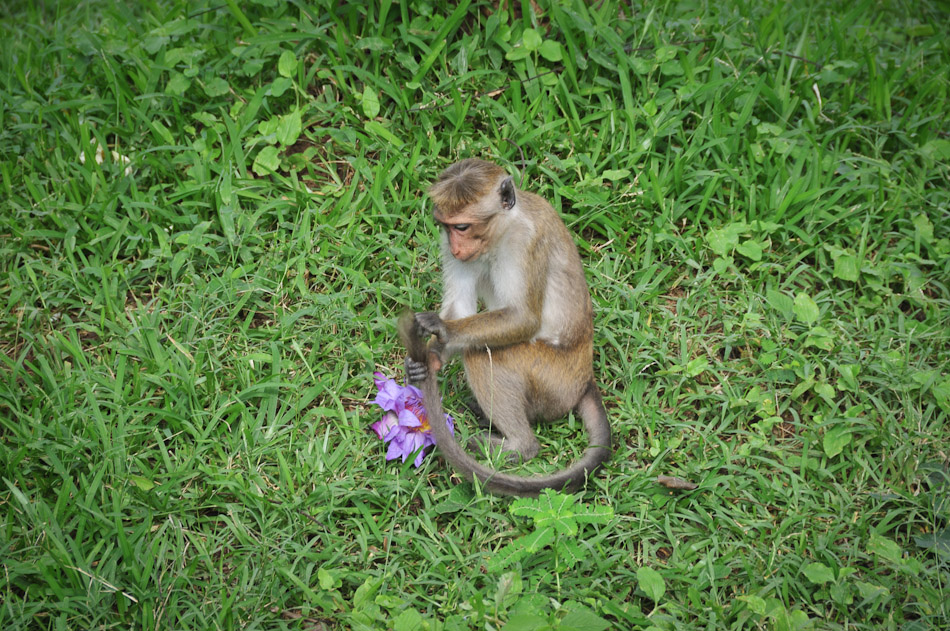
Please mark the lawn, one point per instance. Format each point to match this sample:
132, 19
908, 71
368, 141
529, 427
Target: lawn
212, 214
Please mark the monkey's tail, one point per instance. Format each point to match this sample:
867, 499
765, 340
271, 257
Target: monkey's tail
590, 408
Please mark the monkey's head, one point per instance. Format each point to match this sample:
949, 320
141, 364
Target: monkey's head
467, 198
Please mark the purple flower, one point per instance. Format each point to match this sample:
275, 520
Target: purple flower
404, 425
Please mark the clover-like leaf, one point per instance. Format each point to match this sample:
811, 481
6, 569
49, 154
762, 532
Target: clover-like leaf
551, 50
531, 39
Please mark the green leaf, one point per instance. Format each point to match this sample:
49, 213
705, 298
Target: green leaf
721, 264
142, 483
217, 87
697, 366
289, 128
526, 622
925, 228
267, 161
408, 620
641, 65
458, 499
847, 268
511, 553
884, 548
665, 53
615, 175
941, 392
377, 129
366, 593
517, 53
580, 618
836, 439
594, 514
226, 217
806, 309
755, 603
531, 39
781, 303
820, 337
841, 593
287, 64
509, 589
532, 603
870, 591
279, 86
370, 102
551, 50
826, 391
538, 539
939, 542
849, 376
750, 249
723, 241
818, 573
651, 583
937, 149
268, 126
328, 580
177, 84
569, 551
389, 601
373, 43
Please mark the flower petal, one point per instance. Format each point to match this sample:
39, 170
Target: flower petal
396, 431
389, 398
418, 461
394, 451
408, 419
383, 426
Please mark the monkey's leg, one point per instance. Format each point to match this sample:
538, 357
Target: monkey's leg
500, 389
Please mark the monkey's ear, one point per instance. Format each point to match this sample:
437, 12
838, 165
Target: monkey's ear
507, 193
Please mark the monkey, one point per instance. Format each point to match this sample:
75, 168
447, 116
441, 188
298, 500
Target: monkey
528, 354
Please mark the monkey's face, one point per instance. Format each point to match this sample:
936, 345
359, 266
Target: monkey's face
467, 236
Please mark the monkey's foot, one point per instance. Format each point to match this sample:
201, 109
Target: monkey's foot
416, 372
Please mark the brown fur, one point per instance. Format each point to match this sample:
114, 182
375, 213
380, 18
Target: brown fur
528, 354
462, 184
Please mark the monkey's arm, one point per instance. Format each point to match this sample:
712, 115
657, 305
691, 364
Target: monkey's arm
499, 327
516, 318
493, 329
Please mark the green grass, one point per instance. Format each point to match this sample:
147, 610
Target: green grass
761, 197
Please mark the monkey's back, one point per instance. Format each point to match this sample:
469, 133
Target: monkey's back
563, 324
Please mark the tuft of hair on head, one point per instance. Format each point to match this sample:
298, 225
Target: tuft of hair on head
464, 183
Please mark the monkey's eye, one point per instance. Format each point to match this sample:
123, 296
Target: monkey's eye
462, 227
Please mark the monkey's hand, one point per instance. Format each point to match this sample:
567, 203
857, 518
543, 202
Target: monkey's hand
429, 323
425, 355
